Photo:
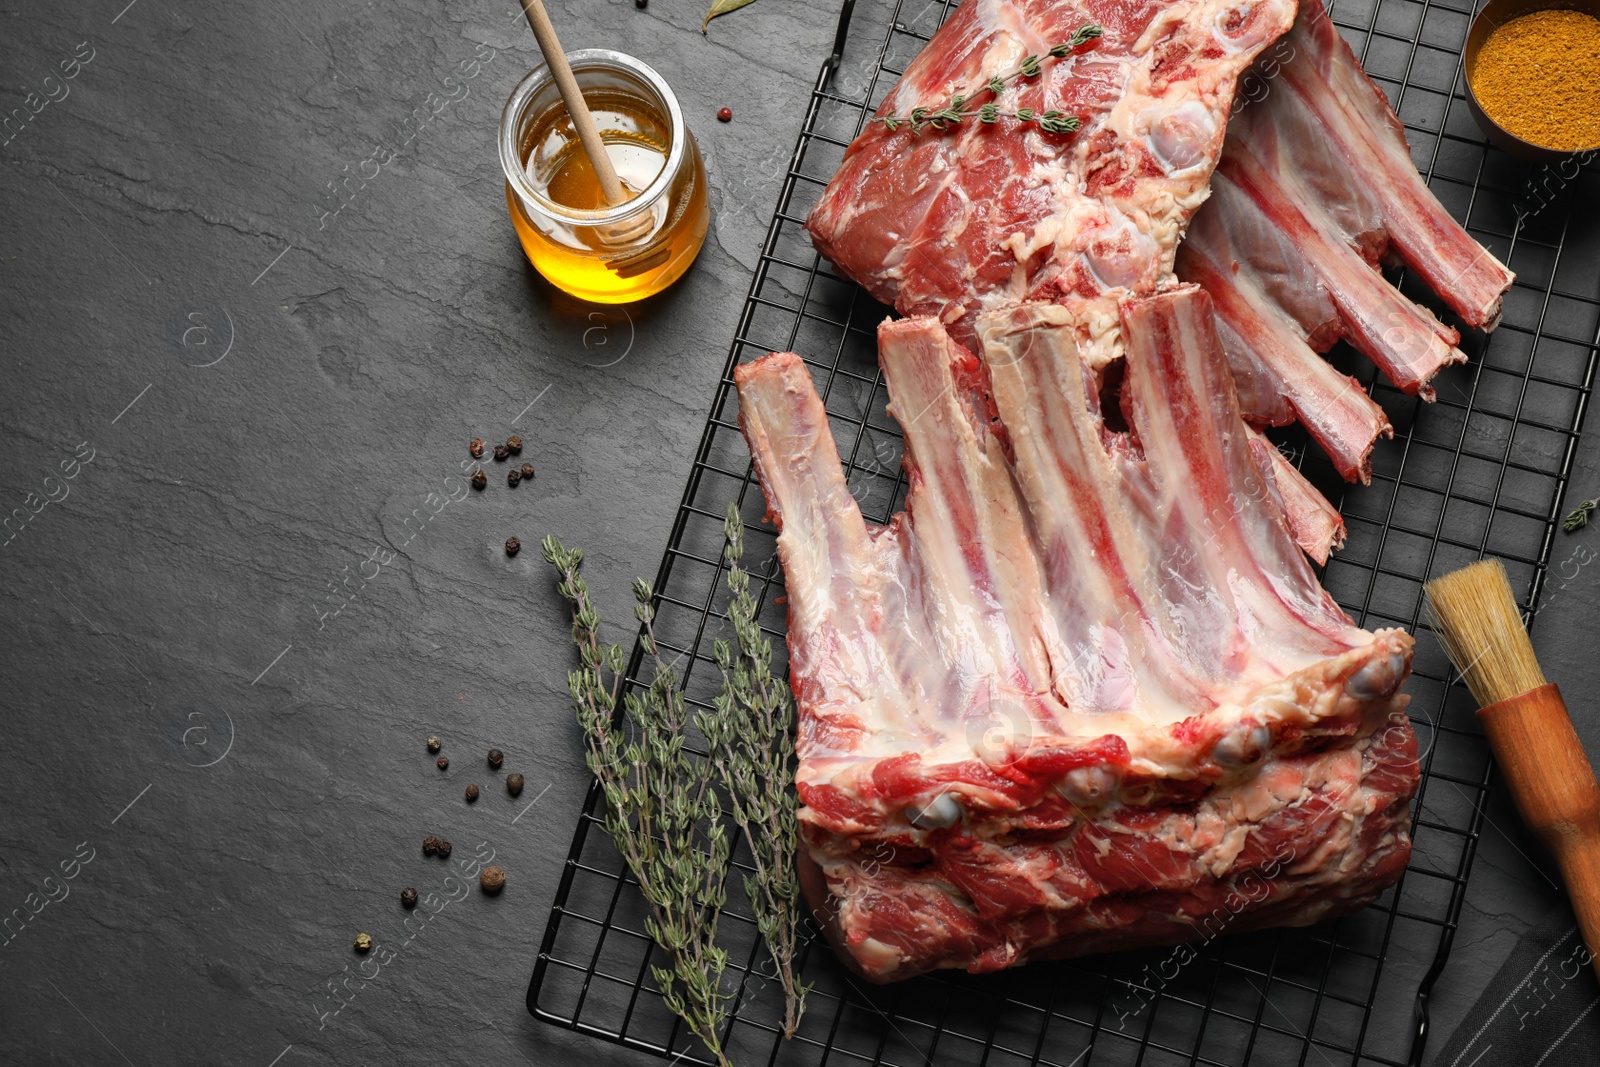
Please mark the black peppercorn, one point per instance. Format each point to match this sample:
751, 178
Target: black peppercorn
408, 897
513, 545
476, 447
514, 784
641, 4
514, 445
443, 762
492, 879
513, 476
500, 453
444, 848
430, 845
472, 794
435, 743
496, 758
527, 472
479, 479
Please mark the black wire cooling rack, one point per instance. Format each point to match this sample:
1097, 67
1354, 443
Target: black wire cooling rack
1482, 470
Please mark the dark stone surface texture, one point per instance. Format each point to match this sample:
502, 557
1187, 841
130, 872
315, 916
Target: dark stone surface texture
259, 404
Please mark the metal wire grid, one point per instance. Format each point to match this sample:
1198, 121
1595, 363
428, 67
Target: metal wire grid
1484, 469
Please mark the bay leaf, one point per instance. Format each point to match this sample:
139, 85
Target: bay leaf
722, 7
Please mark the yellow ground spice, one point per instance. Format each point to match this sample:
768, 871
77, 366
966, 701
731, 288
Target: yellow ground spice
1538, 76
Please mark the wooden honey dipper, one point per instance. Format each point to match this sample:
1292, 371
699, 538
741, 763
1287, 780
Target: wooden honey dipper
619, 234
1528, 728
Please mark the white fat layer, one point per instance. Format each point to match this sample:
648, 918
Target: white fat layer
876, 956
1100, 340
1165, 24
1300, 700
1118, 258
1002, 57
1179, 134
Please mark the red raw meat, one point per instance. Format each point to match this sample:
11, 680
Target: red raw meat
1315, 187
1085, 692
952, 223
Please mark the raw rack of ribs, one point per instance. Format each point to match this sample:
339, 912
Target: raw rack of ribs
1315, 188
1084, 692
982, 216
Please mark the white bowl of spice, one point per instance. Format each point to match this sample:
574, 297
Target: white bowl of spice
1533, 76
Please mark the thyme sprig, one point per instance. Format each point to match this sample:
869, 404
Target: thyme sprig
751, 744
1083, 39
661, 808
1579, 516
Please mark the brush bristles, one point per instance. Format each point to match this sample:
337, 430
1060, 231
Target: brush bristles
1476, 616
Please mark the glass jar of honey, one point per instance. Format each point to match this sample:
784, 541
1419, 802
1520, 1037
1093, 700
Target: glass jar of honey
609, 254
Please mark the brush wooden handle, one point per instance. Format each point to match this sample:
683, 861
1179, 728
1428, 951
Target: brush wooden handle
1555, 791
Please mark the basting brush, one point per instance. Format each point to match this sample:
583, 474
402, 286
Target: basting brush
1529, 730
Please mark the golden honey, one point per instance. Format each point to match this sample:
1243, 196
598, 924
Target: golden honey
584, 246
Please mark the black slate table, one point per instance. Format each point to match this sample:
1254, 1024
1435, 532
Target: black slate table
247, 581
